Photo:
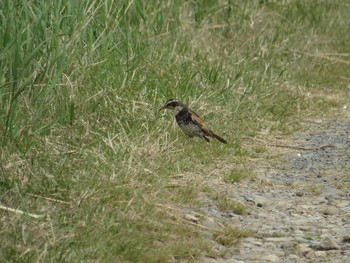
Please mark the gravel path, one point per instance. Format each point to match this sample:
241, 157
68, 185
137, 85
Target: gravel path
299, 209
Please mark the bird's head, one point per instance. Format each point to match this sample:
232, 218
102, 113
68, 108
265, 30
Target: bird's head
173, 104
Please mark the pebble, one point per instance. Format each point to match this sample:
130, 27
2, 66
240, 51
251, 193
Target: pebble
299, 193
331, 193
191, 218
304, 249
346, 210
329, 210
343, 204
270, 258
290, 223
320, 254
277, 239
346, 239
327, 243
310, 254
293, 257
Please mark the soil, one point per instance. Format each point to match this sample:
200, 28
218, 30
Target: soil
299, 208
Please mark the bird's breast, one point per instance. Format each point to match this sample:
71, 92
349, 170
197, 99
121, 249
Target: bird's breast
183, 117
190, 129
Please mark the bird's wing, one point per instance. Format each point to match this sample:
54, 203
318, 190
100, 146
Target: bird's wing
200, 122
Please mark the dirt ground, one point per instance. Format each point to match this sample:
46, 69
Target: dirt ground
299, 208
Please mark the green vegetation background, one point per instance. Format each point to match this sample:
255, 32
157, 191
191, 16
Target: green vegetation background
82, 140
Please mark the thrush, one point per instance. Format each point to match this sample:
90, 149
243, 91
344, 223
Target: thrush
190, 122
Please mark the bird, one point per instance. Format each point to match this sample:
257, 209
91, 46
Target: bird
190, 122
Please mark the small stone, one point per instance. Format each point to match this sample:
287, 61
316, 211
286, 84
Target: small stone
329, 210
346, 239
343, 204
323, 231
249, 199
289, 247
258, 243
293, 257
306, 207
310, 254
327, 243
346, 210
299, 193
191, 218
260, 200
299, 232
319, 200
304, 249
270, 258
213, 259
303, 228
332, 192
320, 254
277, 239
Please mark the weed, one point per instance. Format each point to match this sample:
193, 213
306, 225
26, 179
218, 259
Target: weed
83, 141
230, 236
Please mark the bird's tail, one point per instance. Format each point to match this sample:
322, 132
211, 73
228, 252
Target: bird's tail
218, 138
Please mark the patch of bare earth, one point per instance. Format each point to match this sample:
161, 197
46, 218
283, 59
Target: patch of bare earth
297, 206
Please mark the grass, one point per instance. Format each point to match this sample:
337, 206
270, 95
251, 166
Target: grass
230, 236
315, 189
237, 174
83, 142
226, 203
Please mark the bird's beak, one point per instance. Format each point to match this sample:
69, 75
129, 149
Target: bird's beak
162, 108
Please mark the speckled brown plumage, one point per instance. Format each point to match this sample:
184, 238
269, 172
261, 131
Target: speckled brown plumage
190, 122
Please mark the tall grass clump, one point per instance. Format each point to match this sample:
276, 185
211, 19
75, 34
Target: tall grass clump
92, 169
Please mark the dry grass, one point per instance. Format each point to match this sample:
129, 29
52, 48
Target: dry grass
83, 142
